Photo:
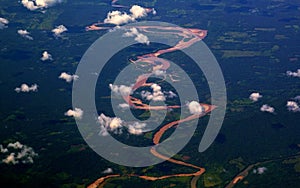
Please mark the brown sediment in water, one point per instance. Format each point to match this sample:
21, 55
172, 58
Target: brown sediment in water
188, 38
101, 180
161, 131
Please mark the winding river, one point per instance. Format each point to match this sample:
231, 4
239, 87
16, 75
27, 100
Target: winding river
188, 37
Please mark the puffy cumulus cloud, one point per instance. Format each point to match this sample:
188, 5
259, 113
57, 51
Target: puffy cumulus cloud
195, 107
293, 106
109, 124
76, 113
267, 108
16, 145
25, 34
124, 106
138, 11
143, 39
3, 23
260, 170
156, 95
117, 125
2, 149
68, 77
120, 90
119, 18
255, 96
294, 74
59, 30
18, 153
154, 12
39, 4
10, 159
136, 128
107, 171
26, 88
139, 37
46, 56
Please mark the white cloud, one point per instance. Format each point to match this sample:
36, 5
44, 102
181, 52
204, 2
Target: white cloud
156, 95
26, 155
21, 153
143, 39
119, 18
109, 124
267, 108
76, 113
39, 4
116, 126
26, 88
68, 77
16, 145
46, 56
59, 30
136, 128
29, 4
107, 171
139, 37
25, 34
3, 23
195, 107
154, 12
10, 159
138, 11
2, 149
124, 106
115, 123
260, 170
120, 90
292, 106
255, 96
146, 95
294, 74
170, 94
